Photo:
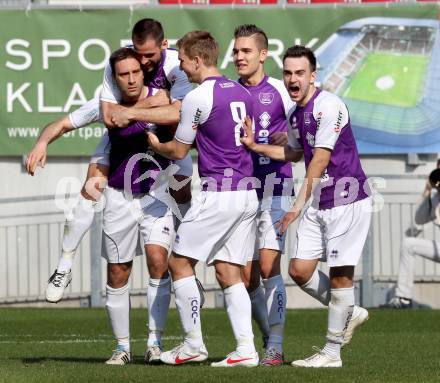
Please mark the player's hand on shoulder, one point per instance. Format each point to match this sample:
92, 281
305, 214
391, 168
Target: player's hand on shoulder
36, 157
279, 139
248, 137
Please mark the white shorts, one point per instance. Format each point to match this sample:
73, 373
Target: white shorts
125, 219
102, 156
270, 212
335, 235
219, 226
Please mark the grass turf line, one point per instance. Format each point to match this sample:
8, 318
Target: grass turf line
70, 345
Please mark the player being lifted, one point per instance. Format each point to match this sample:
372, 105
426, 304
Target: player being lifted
223, 214
159, 283
271, 105
161, 67
334, 227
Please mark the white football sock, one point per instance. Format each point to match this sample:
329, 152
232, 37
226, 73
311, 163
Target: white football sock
188, 304
340, 310
276, 308
74, 230
238, 307
159, 295
118, 310
259, 310
318, 286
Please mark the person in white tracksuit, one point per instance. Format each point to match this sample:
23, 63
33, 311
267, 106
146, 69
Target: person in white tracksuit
427, 211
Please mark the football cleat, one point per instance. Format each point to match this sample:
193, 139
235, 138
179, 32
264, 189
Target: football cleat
359, 317
399, 303
56, 285
318, 360
119, 357
152, 354
272, 357
234, 359
181, 355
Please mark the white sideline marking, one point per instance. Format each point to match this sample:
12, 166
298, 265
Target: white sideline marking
102, 339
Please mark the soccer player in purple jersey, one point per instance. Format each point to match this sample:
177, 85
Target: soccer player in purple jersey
335, 225
220, 226
132, 209
271, 105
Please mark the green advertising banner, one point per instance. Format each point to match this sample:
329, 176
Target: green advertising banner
52, 61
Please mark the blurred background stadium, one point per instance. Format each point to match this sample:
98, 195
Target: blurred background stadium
381, 57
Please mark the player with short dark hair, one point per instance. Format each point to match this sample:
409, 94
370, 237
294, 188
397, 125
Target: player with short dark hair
335, 225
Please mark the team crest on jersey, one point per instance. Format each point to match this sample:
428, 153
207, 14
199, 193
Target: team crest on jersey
307, 118
266, 98
196, 119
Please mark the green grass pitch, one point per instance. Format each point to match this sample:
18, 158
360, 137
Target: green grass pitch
389, 79
71, 345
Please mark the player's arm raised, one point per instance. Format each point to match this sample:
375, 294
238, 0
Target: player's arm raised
38, 154
275, 152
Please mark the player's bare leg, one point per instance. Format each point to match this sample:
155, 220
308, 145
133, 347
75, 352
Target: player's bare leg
159, 295
118, 310
275, 300
75, 228
187, 294
238, 307
251, 276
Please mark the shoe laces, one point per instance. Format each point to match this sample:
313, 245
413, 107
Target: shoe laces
57, 279
318, 354
155, 349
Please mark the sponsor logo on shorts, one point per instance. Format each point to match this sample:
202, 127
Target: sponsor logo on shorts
334, 254
166, 230
266, 98
177, 240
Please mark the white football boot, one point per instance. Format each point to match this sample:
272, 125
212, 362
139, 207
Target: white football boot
180, 355
56, 285
234, 359
119, 357
152, 354
318, 360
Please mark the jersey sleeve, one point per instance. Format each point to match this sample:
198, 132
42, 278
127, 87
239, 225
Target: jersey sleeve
332, 115
110, 91
180, 86
193, 113
86, 114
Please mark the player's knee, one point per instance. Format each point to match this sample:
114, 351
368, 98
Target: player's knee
298, 275
118, 275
